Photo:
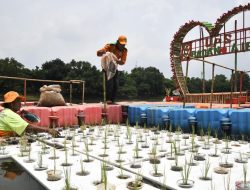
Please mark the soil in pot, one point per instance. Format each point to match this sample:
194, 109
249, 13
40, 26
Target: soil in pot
214, 155
132, 185
154, 161
158, 174
170, 157
121, 152
221, 170
123, 176
88, 160
193, 163
40, 168
240, 160
235, 145
54, 175
29, 160
205, 178
206, 147
176, 168
129, 143
82, 173
217, 141
169, 141
226, 151
120, 161
162, 150
66, 164
199, 157
135, 166
180, 153
103, 155
242, 142
137, 157
144, 146
188, 184
53, 157
226, 164
108, 168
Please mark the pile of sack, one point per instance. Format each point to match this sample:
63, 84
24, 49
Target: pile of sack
51, 96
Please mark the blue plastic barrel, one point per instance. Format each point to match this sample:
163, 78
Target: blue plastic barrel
240, 120
155, 114
179, 118
210, 117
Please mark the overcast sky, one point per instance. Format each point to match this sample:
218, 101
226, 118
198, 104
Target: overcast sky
36, 31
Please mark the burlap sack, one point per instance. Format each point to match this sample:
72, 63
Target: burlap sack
51, 96
109, 64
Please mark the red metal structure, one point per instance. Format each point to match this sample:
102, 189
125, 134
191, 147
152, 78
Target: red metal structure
215, 44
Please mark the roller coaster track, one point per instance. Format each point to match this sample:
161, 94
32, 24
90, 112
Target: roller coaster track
175, 46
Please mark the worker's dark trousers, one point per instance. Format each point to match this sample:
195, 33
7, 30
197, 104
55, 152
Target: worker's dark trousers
112, 87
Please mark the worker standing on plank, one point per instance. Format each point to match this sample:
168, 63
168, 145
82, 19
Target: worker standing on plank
113, 54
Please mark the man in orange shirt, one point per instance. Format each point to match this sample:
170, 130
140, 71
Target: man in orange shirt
120, 51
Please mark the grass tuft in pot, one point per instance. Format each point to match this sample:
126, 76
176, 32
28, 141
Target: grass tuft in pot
83, 171
204, 170
155, 171
67, 175
226, 164
40, 165
170, 156
66, 163
136, 184
242, 158
227, 181
243, 185
122, 175
176, 166
29, 160
185, 182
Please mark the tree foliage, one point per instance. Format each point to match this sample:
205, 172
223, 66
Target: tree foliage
141, 83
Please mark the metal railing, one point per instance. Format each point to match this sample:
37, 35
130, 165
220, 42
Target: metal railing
70, 82
220, 98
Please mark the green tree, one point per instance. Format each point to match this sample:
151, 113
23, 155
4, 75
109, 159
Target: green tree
54, 70
83, 70
127, 86
221, 84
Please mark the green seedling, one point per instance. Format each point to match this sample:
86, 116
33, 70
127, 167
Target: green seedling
185, 173
67, 174
104, 177
245, 173
205, 169
227, 181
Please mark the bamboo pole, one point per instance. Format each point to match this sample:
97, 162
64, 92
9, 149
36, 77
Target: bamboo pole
25, 91
212, 87
83, 88
70, 94
104, 91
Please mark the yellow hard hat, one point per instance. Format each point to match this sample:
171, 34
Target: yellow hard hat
122, 40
